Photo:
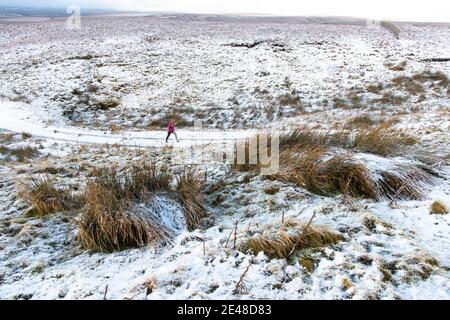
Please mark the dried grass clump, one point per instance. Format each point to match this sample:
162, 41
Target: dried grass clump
406, 182
47, 198
291, 141
323, 172
6, 137
26, 135
282, 241
392, 99
110, 221
437, 207
409, 85
439, 78
188, 192
24, 153
375, 88
300, 138
19, 154
416, 267
309, 159
327, 175
107, 104
362, 121
414, 85
396, 67
382, 140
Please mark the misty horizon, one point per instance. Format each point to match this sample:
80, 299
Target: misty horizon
412, 11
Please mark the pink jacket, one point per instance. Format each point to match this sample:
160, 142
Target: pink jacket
171, 127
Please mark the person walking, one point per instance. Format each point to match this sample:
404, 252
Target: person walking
171, 130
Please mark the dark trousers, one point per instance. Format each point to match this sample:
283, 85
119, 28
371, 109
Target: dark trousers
168, 135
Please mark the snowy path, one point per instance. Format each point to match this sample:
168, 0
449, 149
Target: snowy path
17, 117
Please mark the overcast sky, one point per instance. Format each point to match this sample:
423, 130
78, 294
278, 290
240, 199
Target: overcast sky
413, 10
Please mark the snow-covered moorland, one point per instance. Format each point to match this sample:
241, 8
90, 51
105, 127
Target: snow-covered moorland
358, 209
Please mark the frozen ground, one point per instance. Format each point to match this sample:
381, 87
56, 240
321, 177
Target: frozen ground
100, 95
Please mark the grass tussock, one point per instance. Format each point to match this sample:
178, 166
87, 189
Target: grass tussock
437, 78
109, 222
327, 175
282, 241
362, 121
406, 182
314, 160
437, 207
375, 88
409, 85
392, 99
291, 141
188, 192
107, 104
25, 135
6, 137
415, 85
21, 154
301, 138
46, 197
382, 140
396, 66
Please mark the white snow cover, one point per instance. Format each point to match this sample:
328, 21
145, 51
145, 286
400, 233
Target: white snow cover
153, 66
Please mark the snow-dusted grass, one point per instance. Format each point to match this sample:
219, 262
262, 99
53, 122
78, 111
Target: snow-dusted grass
282, 241
437, 207
45, 197
383, 140
138, 207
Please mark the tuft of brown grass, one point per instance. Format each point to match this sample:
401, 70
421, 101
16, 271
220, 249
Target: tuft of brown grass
409, 85
107, 104
19, 154
392, 99
291, 141
109, 222
414, 85
362, 121
188, 192
6, 137
372, 88
312, 159
47, 198
300, 138
437, 207
272, 190
26, 135
396, 67
327, 175
281, 241
382, 140
439, 78
24, 153
404, 183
